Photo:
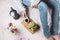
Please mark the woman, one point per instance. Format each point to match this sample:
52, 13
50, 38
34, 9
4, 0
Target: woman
43, 9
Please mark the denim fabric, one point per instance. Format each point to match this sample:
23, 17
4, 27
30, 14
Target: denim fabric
55, 14
43, 8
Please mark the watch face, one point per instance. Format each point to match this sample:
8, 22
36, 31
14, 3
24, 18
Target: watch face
12, 14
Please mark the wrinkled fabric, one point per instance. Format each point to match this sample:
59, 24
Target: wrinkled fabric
55, 5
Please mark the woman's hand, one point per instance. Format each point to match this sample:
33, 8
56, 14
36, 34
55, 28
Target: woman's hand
33, 5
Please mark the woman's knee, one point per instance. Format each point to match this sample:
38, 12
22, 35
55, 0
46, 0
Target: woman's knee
43, 7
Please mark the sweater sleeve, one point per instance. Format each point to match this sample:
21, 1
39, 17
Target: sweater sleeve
20, 5
27, 2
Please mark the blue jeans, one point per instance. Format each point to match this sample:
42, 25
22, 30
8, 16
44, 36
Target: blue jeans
55, 15
43, 8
